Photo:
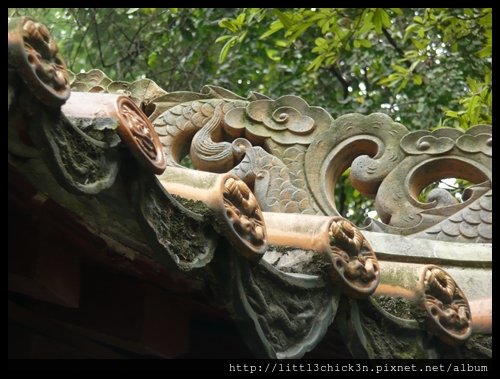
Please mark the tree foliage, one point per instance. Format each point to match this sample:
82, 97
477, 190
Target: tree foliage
426, 68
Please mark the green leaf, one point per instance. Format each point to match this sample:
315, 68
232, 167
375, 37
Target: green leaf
341, 32
402, 85
275, 27
417, 79
273, 54
420, 44
362, 43
366, 24
149, 11
330, 59
153, 59
399, 69
413, 66
301, 29
284, 19
418, 20
486, 18
487, 77
474, 85
381, 18
225, 49
316, 63
484, 52
321, 18
240, 19
473, 110
377, 21
228, 24
409, 30
132, 10
386, 20
321, 42
390, 80
365, 43
242, 36
222, 38
325, 27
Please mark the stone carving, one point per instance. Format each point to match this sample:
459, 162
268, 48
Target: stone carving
281, 315
470, 224
449, 315
234, 205
243, 211
210, 117
180, 237
35, 56
105, 115
81, 163
397, 197
179, 124
287, 157
354, 264
424, 142
136, 131
142, 92
370, 332
369, 144
294, 169
287, 120
443, 140
479, 142
273, 183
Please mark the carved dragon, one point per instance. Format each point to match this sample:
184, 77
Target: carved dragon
291, 155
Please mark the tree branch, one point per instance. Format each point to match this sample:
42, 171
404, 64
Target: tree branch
341, 79
392, 42
99, 40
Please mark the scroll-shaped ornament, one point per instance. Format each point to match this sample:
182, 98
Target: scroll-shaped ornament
367, 144
197, 117
287, 120
34, 54
444, 153
437, 142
